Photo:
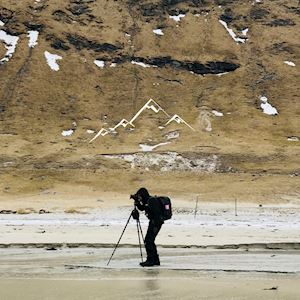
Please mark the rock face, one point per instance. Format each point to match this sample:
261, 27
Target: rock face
282, 22
79, 9
170, 161
193, 57
80, 43
57, 43
196, 67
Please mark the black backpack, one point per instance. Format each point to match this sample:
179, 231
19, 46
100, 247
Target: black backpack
166, 207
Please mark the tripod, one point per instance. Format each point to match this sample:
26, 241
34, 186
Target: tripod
135, 214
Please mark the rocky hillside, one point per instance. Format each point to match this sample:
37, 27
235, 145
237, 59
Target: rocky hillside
223, 74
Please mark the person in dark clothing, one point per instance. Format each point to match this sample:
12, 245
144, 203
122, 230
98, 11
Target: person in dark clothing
152, 207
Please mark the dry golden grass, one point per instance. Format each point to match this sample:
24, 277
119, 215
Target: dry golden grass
40, 103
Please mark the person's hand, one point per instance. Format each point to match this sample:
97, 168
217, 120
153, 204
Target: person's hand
135, 214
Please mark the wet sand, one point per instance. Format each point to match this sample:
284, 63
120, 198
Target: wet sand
185, 287
82, 274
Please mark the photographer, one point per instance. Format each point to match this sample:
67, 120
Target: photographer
152, 207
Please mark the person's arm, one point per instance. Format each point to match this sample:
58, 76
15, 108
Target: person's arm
139, 204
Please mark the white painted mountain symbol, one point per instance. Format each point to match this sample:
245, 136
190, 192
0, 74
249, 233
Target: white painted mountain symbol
179, 120
150, 104
123, 123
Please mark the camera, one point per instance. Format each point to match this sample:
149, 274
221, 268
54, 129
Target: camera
134, 197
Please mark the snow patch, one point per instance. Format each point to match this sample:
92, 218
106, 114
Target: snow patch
158, 31
8, 163
1, 23
148, 148
51, 60
267, 108
177, 18
10, 44
245, 31
222, 74
263, 99
99, 63
90, 131
290, 63
293, 139
140, 64
33, 37
232, 34
67, 132
113, 65
217, 113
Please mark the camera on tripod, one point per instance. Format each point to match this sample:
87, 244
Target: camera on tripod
136, 216
134, 197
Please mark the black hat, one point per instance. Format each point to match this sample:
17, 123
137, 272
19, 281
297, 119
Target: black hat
143, 192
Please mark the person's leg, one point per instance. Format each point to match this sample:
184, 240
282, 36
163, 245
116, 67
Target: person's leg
155, 256
152, 256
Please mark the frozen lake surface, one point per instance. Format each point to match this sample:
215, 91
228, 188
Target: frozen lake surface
211, 226
184, 274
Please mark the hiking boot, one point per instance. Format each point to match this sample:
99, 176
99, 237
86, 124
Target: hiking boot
156, 261
147, 263
151, 262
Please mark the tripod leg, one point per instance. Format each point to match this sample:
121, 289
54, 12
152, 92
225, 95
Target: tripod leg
119, 240
138, 231
141, 231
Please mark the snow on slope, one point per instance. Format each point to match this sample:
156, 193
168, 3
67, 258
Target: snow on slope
51, 60
10, 42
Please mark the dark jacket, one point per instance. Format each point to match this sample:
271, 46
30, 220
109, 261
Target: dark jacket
151, 206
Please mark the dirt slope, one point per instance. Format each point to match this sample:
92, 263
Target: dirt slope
236, 149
